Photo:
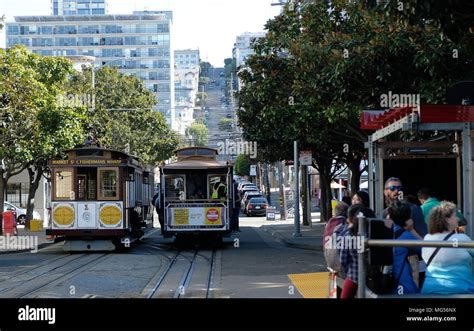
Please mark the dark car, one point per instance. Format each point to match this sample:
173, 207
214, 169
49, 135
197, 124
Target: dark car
257, 206
247, 196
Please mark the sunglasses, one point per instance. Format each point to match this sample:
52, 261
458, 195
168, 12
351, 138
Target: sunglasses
393, 188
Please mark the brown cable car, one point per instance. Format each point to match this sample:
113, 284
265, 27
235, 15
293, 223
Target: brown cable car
101, 199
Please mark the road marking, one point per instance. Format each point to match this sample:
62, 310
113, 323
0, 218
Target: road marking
311, 285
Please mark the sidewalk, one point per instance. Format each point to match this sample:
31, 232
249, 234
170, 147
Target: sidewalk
26, 241
311, 236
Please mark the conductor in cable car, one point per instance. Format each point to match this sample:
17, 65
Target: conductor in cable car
219, 190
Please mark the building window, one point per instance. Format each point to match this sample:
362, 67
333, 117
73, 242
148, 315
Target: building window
17, 194
13, 29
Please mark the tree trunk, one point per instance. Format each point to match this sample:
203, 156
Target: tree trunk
355, 181
326, 196
282, 191
35, 174
354, 166
267, 183
324, 167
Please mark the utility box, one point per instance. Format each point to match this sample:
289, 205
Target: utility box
271, 212
36, 225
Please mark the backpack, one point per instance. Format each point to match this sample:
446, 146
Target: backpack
380, 278
335, 228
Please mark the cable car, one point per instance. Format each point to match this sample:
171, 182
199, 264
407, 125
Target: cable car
101, 199
196, 194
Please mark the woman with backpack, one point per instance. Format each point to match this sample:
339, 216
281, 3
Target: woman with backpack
349, 255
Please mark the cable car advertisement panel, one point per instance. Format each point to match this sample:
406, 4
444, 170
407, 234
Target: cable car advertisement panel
211, 215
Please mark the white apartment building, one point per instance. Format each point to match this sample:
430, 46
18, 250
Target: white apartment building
187, 71
138, 44
78, 7
243, 49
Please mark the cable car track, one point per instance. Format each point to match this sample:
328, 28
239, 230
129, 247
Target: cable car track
184, 276
47, 279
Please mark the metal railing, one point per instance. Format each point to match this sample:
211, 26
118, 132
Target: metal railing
362, 265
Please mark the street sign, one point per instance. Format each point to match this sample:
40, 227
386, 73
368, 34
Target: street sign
306, 158
253, 170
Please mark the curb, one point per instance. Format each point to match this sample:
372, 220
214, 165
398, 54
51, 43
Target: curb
278, 237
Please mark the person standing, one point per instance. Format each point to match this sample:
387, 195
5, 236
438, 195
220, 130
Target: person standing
449, 270
235, 208
428, 202
399, 212
393, 191
362, 198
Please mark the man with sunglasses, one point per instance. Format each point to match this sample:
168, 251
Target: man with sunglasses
394, 191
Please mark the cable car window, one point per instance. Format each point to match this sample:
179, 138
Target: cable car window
217, 187
63, 183
108, 182
175, 187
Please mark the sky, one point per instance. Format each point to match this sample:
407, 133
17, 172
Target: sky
210, 25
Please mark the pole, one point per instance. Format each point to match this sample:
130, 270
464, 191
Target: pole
361, 257
308, 196
297, 192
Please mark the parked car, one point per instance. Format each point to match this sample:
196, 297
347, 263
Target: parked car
248, 195
248, 188
228, 116
242, 183
257, 206
248, 185
20, 213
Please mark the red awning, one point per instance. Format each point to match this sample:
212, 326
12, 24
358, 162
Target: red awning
378, 119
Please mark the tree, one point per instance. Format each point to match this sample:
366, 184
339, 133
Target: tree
123, 118
201, 98
225, 124
205, 67
309, 79
199, 134
144, 133
37, 125
230, 67
242, 165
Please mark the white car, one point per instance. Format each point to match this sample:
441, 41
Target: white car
20, 213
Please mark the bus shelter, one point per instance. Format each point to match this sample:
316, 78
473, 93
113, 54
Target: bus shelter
441, 160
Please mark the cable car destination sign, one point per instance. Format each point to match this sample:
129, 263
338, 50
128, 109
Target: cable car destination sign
87, 162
